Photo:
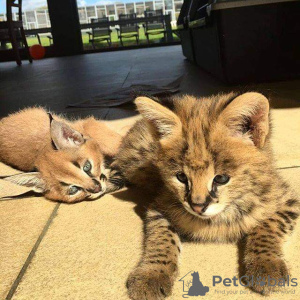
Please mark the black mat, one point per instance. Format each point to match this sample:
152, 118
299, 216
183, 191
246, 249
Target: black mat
128, 94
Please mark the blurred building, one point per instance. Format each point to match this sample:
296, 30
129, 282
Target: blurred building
39, 18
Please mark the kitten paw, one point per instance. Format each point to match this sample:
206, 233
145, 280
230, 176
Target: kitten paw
148, 284
275, 268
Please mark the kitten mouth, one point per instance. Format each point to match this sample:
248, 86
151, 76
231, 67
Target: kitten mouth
98, 195
210, 211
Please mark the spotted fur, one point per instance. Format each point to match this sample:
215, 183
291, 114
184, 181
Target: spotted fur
225, 134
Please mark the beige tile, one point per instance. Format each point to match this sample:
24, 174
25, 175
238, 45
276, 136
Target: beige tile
86, 254
91, 248
21, 223
286, 136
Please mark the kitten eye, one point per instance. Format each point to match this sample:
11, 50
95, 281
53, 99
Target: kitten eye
87, 167
73, 190
182, 177
221, 179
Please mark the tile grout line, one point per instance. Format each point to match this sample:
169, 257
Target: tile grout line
126, 77
32, 253
291, 167
130, 69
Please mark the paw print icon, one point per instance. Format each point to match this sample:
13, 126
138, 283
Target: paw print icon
261, 281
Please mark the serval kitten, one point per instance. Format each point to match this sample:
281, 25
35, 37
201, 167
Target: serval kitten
209, 168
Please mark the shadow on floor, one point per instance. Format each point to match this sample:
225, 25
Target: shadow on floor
56, 82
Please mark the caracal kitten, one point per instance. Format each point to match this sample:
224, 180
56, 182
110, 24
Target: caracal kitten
64, 160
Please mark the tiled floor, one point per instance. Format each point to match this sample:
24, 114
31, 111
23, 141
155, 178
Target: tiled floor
57, 82
86, 251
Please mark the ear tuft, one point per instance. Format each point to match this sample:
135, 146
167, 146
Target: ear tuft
164, 121
247, 116
63, 136
32, 180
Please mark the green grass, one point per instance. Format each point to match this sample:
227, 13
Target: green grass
114, 37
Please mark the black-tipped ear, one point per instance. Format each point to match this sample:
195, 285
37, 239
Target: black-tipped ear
164, 121
63, 136
31, 180
247, 117
50, 117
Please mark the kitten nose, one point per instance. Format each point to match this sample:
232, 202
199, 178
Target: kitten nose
97, 187
200, 205
199, 208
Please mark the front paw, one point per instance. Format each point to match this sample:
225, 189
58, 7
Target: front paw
268, 274
147, 283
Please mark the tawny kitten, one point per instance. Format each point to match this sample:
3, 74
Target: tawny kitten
64, 159
208, 165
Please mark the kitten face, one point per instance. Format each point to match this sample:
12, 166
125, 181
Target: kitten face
205, 180
209, 149
79, 175
70, 171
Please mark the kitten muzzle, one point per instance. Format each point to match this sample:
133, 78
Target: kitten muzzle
199, 208
97, 187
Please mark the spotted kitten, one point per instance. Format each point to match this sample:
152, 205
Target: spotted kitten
209, 167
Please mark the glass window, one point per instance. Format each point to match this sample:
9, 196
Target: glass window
30, 16
149, 5
168, 4
41, 19
158, 5
130, 8
120, 9
140, 8
111, 9
140, 11
91, 12
101, 12
82, 15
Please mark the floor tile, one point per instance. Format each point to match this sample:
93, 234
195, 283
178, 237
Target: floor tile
91, 247
285, 136
21, 223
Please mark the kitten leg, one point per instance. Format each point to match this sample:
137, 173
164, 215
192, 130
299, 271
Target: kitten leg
154, 276
263, 252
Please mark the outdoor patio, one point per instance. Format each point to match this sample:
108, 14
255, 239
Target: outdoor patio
57, 82
87, 250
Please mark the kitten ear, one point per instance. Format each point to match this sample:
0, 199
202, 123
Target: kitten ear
63, 136
32, 180
247, 116
163, 120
